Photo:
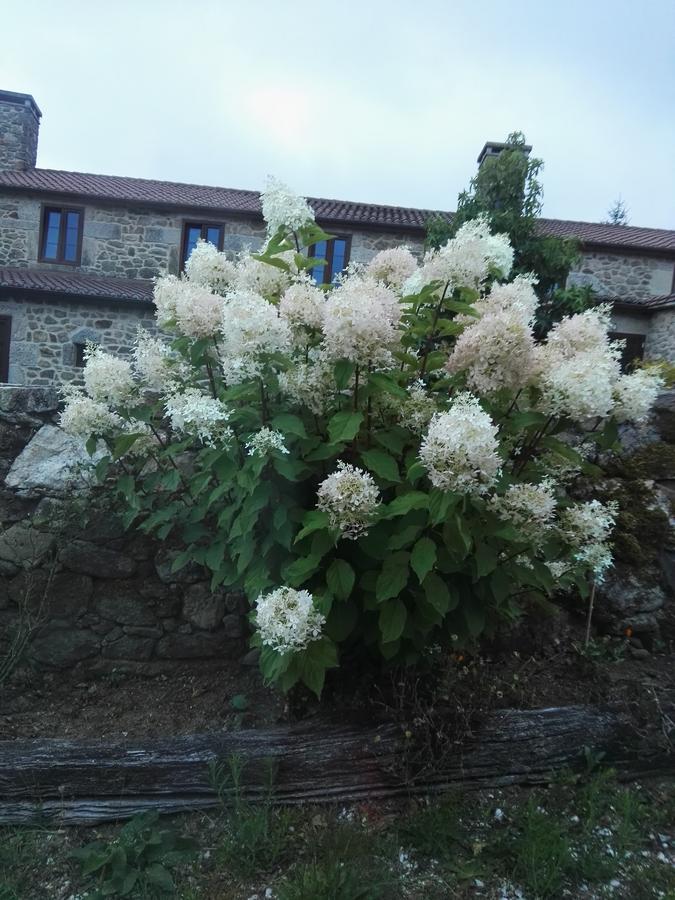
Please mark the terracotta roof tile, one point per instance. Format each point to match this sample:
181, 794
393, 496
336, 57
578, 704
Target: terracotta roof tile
75, 284
114, 188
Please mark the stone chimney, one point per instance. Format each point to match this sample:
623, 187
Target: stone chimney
19, 129
494, 148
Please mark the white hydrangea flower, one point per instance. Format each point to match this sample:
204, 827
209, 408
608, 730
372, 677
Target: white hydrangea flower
581, 332
310, 384
287, 620
251, 328
361, 323
265, 441
470, 257
529, 507
497, 350
193, 413
587, 527
302, 305
210, 268
153, 360
195, 309
394, 266
166, 292
350, 497
107, 377
635, 394
418, 409
83, 416
459, 450
281, 207
261, 278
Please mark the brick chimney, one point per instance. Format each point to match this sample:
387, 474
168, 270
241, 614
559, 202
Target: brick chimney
494, 148
19, 129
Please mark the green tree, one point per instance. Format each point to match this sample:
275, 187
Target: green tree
508, 191
617, 214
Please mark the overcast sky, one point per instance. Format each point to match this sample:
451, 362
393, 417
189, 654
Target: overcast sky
375, 100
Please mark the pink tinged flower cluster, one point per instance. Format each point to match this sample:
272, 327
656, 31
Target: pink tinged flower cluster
497, 350
196, 414
282, 208
210, 268
302, 305
394, 266
459, 451
106, 377
350, 497
468, 259
361, 323
287, 620
251, 329
635, 394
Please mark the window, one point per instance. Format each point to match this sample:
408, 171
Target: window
61, 239
336, 254
5, 334
78, 356
199, 231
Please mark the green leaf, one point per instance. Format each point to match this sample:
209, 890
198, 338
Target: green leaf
340, 578
313, 662
342, 372
423, 558
239, 702
437, 594
314, 520
415, 472
381, 464
301, 569
124, 443
160, 877
215, 555
289, 424
394, 576
404, 537
91, 445
387, 384
344, 426
342, 620
393, 615
311, 233
440, 504
401, 505
474, 616
486, 559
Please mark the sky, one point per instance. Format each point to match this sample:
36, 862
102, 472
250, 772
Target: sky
384, 102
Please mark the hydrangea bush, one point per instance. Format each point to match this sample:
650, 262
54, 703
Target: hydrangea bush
381, 466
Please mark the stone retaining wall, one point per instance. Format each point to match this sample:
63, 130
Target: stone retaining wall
91, 594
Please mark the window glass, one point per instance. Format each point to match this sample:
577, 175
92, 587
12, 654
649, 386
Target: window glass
319, 272
194, 232
72, 232
213, 235
51, 234
338, 262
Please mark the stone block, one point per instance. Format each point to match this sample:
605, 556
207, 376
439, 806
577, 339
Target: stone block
90, 559
129, 647
123, 605
234, 626
21, 545
202, 645
189, 574
31, 400
203, 608
63, 646
52, 463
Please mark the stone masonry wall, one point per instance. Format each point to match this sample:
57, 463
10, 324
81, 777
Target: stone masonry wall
19, 126
90, 594
624, 276
44, 334
660, 342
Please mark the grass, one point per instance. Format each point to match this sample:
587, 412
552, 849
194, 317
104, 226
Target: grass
589, 837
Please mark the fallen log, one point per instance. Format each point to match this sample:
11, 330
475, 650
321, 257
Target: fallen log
87, 782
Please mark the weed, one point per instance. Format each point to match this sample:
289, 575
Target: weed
137, 862
435, 830
326, 880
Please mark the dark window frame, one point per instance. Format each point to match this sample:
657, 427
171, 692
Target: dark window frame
347, 238
59, 258
634, 347
204, 226
79, 361
5, 347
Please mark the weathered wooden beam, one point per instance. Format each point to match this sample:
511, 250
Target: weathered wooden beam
80, 782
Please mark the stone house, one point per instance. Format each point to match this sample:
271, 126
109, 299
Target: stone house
78, 253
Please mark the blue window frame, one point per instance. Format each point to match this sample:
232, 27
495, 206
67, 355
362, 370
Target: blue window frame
200, 231
336, 254
61, 238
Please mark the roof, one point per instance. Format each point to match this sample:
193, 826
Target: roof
114, 188
75, 284
599, 234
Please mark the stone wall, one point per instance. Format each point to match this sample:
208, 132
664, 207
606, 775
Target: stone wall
660, 343
624, 276
90, 594
19, 127
44, 334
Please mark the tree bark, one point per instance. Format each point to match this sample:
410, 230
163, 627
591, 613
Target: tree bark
87, 782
